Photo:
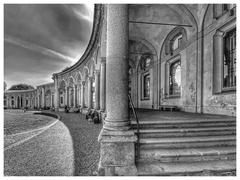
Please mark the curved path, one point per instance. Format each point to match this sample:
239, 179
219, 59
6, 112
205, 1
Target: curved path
66, 147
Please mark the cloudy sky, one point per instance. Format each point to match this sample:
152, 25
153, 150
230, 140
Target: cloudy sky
42, 39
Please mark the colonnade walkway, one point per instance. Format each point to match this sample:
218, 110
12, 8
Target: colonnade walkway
180, 143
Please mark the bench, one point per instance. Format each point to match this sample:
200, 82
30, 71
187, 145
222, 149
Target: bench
168, 108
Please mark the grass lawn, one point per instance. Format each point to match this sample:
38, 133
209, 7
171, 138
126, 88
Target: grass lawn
16, 121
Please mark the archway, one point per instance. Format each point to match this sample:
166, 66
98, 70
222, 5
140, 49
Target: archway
62, 94
48, 98
71, 87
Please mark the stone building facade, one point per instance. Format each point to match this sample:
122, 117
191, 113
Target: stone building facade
40, 98
179, 55
174, 63
17, 99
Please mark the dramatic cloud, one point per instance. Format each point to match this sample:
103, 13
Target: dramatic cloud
41, 39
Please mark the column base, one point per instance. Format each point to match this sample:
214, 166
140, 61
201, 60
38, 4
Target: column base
117, 153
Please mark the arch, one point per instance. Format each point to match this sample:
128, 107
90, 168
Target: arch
18, 102
145, 42
62, 84
70, 81
85, 73
48, 95
182, 10
143, 47
91, 67
48, 92
78, 77
167, 41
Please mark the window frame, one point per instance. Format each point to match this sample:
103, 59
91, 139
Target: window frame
143, 75
170, 74
218, 58
168, 64
232, 88
145, 71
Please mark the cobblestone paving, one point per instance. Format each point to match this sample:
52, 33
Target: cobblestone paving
86, 147
16, 121
68, 148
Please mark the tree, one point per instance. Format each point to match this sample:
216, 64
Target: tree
21, 87
5, 86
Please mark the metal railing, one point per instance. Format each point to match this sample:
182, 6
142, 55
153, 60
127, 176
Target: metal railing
136, 117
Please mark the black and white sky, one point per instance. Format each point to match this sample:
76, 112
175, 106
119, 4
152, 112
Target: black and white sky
41, 39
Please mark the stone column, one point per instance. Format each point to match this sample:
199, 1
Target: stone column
15, 101
103, 84
39, 101
78, 94
75, 96
89, 92
82, 94
97, 93
67, 96
43, 98
117, 153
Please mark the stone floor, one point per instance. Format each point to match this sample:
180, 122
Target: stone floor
85, 144
68, 148
146, 114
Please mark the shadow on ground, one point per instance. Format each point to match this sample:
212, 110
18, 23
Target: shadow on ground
85, 144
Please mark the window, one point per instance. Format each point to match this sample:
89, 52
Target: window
61, 100
146, 86
12, 101
145, 65
224, 7
176, 42
145, 62
221, 9
175, 78
224, 59
229, 58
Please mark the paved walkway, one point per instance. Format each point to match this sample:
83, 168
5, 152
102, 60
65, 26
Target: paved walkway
150, 115
69, 147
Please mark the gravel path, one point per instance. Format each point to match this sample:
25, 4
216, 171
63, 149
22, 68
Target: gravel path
69, 147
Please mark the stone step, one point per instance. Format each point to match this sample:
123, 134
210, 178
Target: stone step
187, 142
203, 168
182, 120
177, 132
183, 124
188, 155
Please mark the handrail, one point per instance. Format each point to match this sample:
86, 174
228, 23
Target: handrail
136, 117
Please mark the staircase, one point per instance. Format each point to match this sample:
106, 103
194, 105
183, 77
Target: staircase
185, 146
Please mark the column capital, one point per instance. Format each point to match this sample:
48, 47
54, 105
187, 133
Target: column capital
83, 83
96, 72
90, 78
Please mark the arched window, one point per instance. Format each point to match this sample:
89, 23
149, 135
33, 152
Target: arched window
176, 42
145, 62
175, 78
145, 65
